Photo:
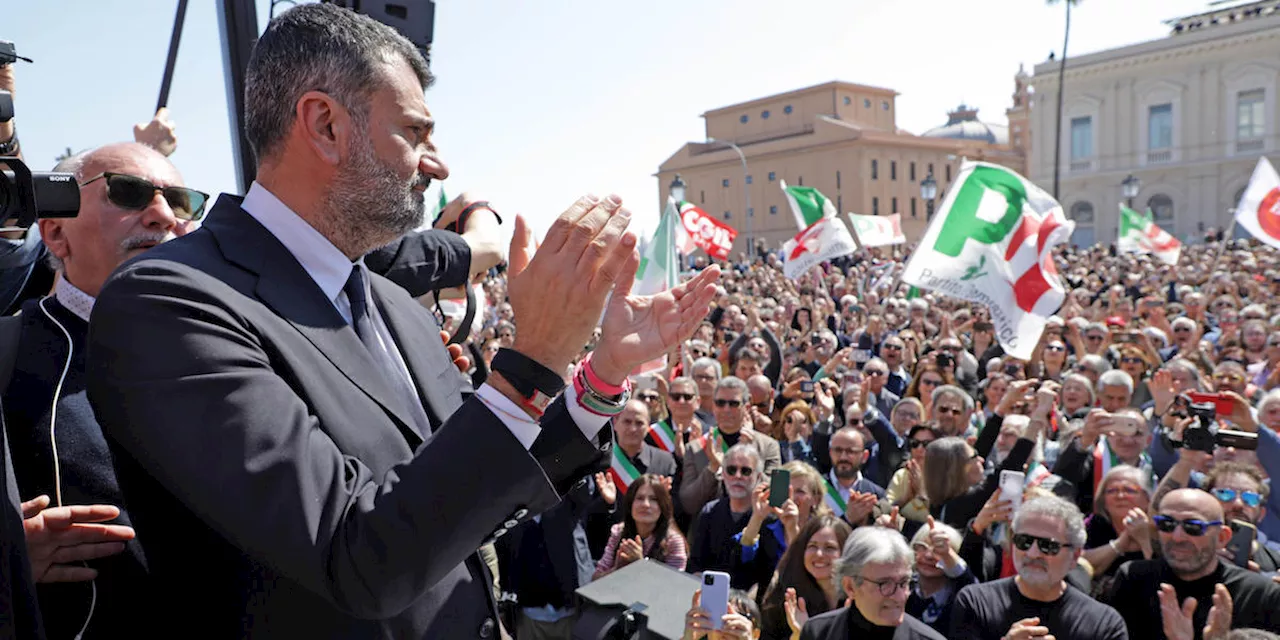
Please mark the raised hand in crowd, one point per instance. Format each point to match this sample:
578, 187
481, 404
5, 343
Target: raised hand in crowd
608, 490
995, 511
1178, 624
159, 134
797, 611
860, 507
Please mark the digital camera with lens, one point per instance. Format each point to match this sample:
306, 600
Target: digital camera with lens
1205, 435
26, 195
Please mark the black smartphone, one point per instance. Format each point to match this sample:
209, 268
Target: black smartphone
779, 487
806, 386
1241, 544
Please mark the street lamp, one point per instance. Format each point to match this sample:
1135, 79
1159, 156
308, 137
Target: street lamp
1130, 187
928, 191
746, 191
677, 190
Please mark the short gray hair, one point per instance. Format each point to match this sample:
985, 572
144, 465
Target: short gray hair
951, 389
1115, 378
1272, 397
1095, 363
703, 363
734, 382
1054, 508
1079, 378
872, 545
749, 450
317, 47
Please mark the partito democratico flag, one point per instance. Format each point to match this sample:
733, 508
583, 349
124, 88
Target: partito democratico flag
992, 242
1259, 208
823, 240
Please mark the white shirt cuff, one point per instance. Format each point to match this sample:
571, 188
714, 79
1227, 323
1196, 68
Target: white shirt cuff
588, 423
524, 428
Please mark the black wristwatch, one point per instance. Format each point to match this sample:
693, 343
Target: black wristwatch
9, 147
536, 383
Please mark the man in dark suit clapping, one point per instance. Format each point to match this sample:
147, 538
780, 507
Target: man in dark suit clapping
288, 430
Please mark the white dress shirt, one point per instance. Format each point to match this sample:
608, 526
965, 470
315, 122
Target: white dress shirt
72, 298
844, 491
330, 268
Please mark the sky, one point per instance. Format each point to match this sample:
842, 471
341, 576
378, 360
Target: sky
537, 103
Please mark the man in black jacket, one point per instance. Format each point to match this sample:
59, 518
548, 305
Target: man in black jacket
1191, 533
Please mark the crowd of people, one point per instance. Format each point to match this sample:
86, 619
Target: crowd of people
899, 421
254, 412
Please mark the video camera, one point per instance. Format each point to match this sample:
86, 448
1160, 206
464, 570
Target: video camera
1205, 435
26, 195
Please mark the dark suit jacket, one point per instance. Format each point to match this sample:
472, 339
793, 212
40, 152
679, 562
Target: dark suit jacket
656, 461
268, 467
840, 624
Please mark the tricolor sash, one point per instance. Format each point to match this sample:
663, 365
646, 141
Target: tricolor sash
663, 436
833, 499
1104, 459
622, 470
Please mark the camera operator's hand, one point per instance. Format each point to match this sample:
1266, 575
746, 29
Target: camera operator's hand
1241, 413
1019, 391
159, 134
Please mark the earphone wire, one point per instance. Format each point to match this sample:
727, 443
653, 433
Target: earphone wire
53, 444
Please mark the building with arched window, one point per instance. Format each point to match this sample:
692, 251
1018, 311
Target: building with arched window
1188, 115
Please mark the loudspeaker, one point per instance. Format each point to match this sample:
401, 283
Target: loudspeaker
643, 600
414, 19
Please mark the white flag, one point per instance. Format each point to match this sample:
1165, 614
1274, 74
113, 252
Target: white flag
878, 231
823, 240
992, 242
1259, 208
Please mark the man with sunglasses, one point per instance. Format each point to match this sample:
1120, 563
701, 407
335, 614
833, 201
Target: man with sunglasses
1243, 491
1191, 531
1048, 539
131, 199
703, 459
892, 351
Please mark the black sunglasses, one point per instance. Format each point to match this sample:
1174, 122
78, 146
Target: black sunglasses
681, 397
134, 193
916, 444
1192, 527
728, 403
735, 470
1048, 547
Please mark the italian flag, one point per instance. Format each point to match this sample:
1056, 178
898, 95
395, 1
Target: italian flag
664, 437
623, 472
658, 270
807, 204
992, 243
833, 499
1138, 234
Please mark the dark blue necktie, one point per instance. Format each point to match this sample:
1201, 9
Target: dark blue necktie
362, 322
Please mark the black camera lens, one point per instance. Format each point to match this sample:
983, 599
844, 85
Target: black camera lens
707, 580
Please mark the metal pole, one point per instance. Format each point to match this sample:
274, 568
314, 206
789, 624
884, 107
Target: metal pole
238, 24
174, 38
1226, 237
746, 191
1062, 75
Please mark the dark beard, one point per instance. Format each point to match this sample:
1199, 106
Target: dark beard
369, 206
845, 471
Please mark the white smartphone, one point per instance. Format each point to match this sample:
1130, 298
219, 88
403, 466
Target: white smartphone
715, 596
1011, 487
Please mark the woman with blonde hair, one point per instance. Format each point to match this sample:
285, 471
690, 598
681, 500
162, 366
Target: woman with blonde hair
796, 441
